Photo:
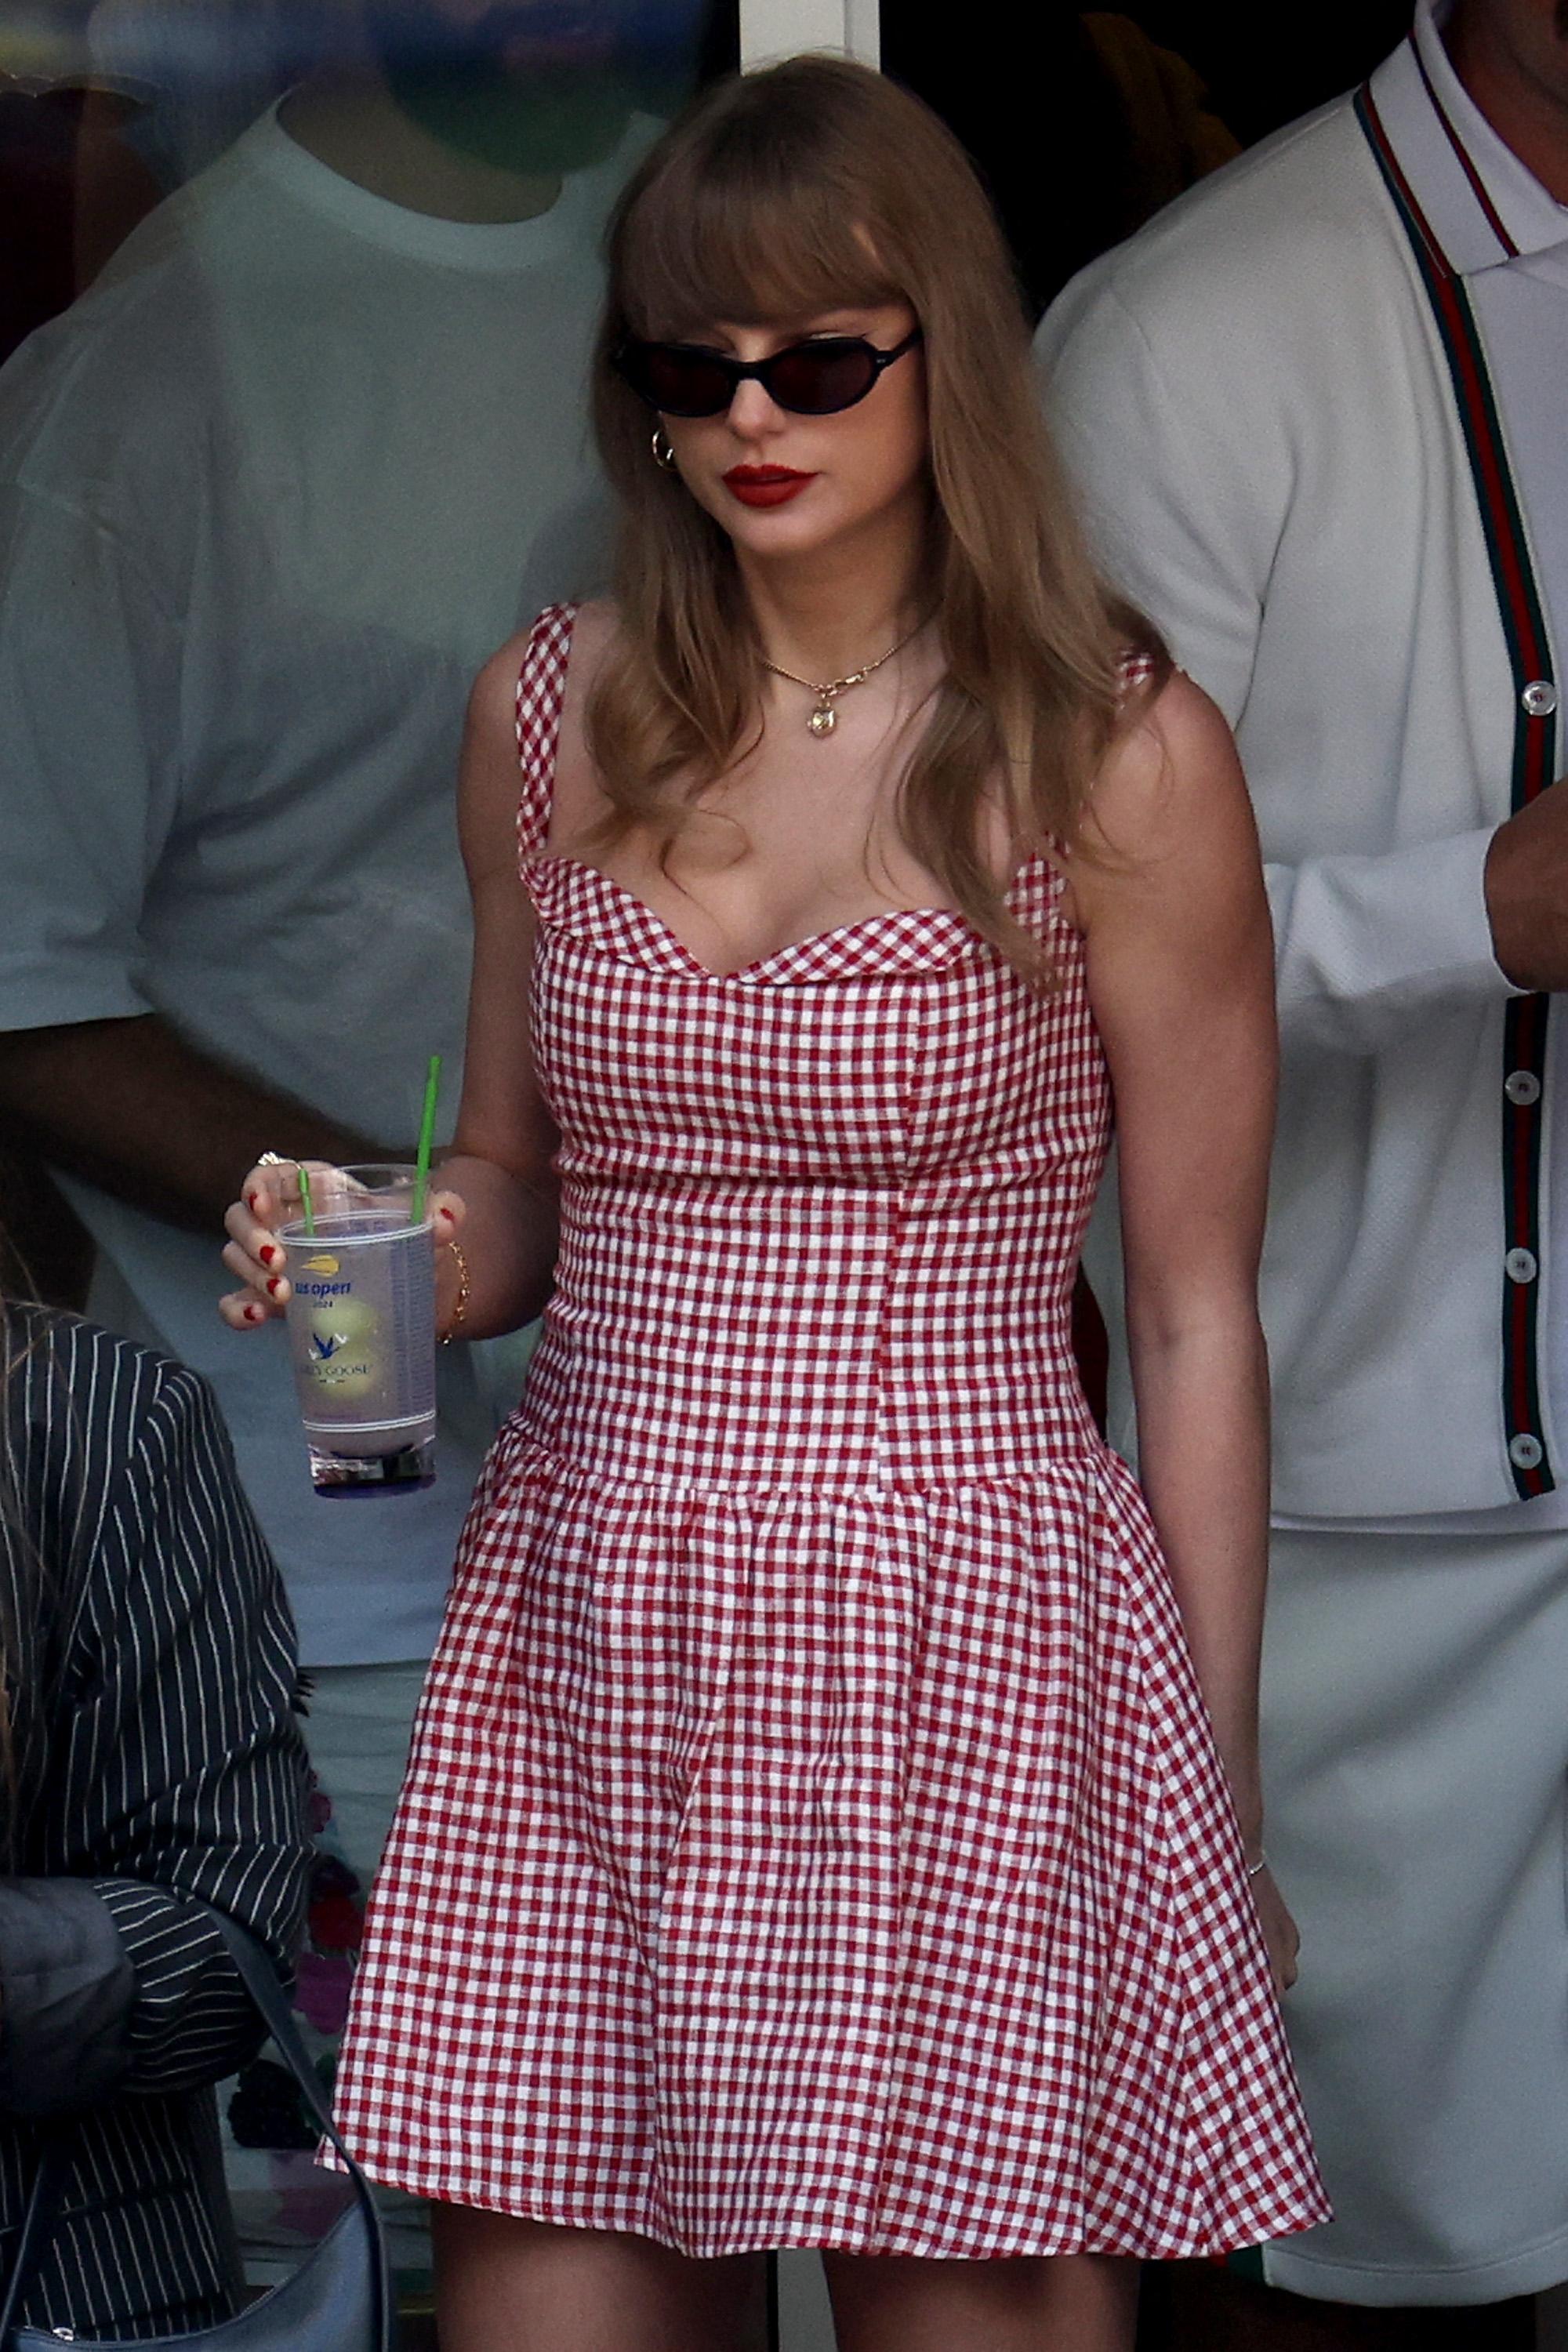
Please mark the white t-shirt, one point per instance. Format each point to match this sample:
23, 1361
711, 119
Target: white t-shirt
269, 494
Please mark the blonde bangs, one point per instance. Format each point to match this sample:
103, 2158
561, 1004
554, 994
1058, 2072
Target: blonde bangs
755, 239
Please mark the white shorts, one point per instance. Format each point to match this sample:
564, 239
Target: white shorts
1415, 1758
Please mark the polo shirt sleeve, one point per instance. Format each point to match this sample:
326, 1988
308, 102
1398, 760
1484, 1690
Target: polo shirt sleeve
88, 766
1183, 493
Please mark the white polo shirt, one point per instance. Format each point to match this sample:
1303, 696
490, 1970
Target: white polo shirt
1507, 238
1258, 395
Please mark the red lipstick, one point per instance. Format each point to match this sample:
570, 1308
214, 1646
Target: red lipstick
765, 486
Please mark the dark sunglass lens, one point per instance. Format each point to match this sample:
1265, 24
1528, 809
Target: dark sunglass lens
683, 383
815, 378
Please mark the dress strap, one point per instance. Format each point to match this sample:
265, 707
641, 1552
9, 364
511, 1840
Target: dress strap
540, 691
1133, 670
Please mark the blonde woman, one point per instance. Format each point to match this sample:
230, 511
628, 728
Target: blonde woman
834, 1818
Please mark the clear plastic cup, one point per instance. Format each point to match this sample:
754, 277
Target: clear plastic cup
362, 1331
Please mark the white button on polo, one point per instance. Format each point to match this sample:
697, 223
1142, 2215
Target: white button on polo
1520, 1265
1524, 1451
1539, 698
1521, 1086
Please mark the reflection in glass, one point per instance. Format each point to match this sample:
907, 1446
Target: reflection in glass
310, 446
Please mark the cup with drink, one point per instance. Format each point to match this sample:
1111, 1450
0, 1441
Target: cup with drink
361, 1263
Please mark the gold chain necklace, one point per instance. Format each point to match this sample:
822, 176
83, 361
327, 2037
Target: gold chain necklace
825, 719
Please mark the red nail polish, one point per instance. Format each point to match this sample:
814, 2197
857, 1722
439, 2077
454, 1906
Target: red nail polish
252, 1202
253, 1314
270, 1254
275, 1286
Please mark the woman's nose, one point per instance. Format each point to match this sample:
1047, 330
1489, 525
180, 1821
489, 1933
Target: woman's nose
753, 411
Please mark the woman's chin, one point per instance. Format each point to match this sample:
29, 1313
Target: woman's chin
792, 530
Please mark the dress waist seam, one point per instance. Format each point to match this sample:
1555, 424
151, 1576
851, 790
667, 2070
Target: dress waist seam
1086, 1461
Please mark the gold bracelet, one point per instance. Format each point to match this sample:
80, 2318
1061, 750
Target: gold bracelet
461, 1308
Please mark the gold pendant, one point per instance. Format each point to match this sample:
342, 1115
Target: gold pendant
823, 720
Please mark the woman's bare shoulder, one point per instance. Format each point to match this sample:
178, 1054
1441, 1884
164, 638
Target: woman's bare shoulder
1169, 829
1172, 768
495, 688
1171, 722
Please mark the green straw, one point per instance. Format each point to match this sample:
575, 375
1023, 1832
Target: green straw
305, 1202
426, 1136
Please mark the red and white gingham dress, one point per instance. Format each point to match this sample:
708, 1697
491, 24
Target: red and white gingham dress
813, 1834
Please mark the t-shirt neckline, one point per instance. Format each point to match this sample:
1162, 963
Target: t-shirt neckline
269, 150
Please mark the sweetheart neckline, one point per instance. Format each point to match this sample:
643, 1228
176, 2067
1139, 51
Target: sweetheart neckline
813, 941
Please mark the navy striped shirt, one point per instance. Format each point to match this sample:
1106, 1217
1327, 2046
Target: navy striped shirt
155, 1754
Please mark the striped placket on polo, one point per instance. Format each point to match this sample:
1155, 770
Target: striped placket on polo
1520, 608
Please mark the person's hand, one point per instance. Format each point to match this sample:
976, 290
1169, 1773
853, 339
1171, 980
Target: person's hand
447, 1212
1527, 891
1279, 1930
270, 1197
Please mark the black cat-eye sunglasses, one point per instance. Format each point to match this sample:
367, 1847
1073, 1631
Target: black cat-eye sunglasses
811, 379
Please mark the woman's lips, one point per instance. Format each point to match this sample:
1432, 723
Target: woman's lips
765, 486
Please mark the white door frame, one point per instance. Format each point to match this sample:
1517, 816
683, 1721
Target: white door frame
783, 28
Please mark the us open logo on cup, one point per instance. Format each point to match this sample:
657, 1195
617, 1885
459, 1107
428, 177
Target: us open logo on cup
344, 1357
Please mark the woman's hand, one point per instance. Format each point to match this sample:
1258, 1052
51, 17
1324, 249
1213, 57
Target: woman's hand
1279, 1930
447, 1212
270, 1198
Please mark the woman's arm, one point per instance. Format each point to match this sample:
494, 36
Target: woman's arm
498, 1186
180, 1769
1181, 979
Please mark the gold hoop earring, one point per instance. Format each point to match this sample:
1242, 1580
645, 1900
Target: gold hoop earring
663, 454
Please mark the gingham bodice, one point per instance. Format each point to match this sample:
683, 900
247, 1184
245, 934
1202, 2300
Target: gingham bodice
820, 1216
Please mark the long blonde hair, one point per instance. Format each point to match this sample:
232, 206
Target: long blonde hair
814, 185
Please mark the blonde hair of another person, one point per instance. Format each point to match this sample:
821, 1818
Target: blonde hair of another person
812, 186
